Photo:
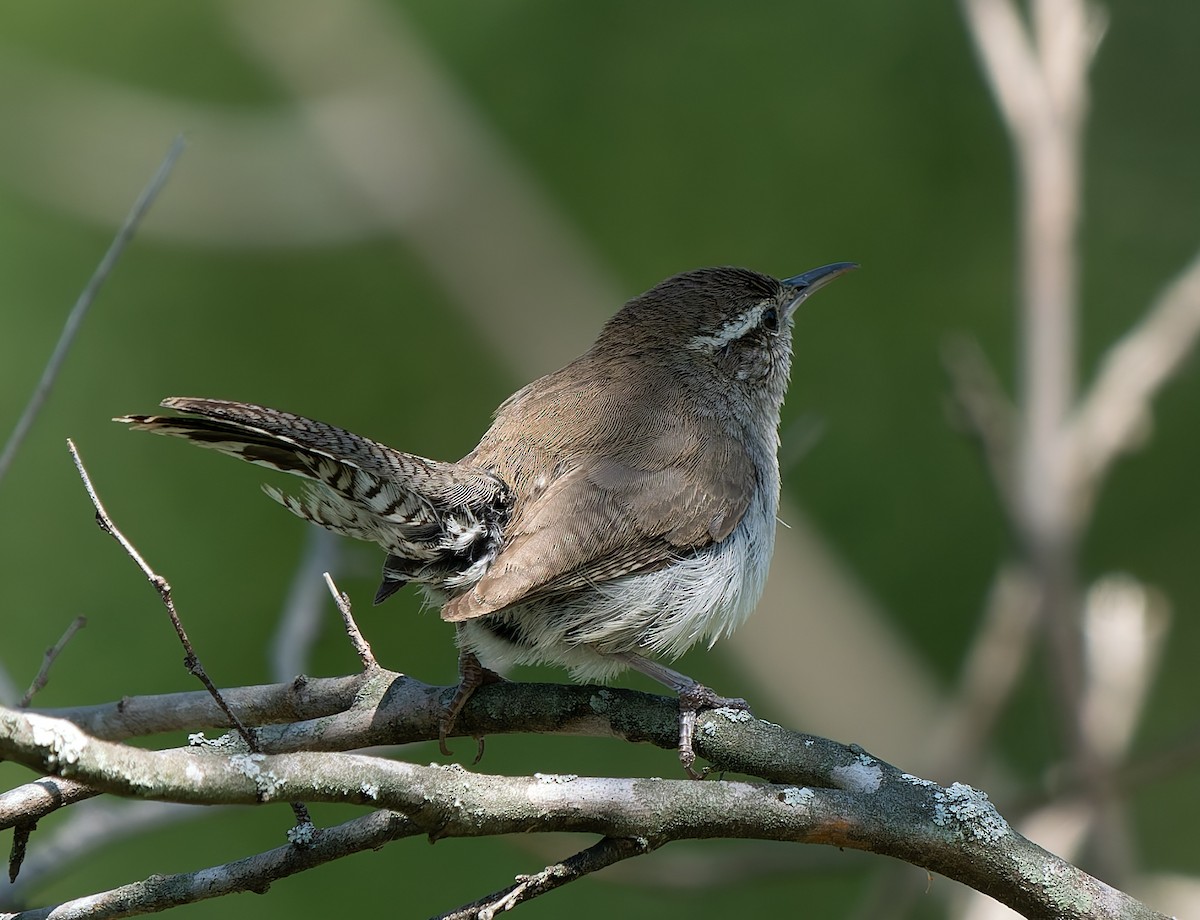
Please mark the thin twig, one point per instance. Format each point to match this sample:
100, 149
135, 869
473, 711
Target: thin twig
84, 302
52, 653
1137, 773
254, 873
22, 832
600, 855
362, 648
191, 661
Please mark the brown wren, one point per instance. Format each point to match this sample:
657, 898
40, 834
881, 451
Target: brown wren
619, 508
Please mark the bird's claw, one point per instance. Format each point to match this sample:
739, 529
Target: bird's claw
472, 676
691, 701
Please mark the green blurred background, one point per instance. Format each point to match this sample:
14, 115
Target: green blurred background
390, 215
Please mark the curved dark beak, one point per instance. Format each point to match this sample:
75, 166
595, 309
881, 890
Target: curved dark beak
805, 285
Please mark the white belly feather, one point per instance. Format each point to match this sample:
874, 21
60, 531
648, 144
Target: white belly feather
701, 597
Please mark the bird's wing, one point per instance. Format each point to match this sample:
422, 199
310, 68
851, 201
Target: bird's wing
604, 518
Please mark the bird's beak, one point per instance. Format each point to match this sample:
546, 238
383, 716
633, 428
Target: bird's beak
805, 285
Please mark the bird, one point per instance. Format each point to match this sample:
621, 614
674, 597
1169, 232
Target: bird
619, 510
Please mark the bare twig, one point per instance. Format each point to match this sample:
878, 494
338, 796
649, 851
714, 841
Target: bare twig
599, 856
52, 653
300, 699
84, 302
23, 831
191, 661
31, 802
396, 709
304, 705
255, 873
361, 647
388, 708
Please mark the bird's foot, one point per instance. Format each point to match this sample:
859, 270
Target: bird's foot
693, 696
691, 700
471, 676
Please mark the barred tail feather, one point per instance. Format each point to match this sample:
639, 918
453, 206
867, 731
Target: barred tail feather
438, 521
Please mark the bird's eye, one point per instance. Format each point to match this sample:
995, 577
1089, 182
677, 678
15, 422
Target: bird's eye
770, 319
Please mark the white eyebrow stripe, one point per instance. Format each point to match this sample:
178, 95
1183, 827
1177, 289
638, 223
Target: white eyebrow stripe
732, 330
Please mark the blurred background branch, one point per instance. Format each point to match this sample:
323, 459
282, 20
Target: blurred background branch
1102, 642
83, 303
1038, 73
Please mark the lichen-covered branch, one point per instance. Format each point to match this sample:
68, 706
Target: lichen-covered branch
599, 856
849, 799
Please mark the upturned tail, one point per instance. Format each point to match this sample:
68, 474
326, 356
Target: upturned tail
441, 523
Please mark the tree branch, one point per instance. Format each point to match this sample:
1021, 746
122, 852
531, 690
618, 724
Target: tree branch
296, 700
191, 660
160, 585
599, 856
254, 873
43, 675
29, 803
362, 648
858, 801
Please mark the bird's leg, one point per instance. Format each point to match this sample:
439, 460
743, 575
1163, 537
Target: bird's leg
471, 676
693, 697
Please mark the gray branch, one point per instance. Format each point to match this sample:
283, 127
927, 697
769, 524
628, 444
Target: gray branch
254, 873
599, 856
817, 791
